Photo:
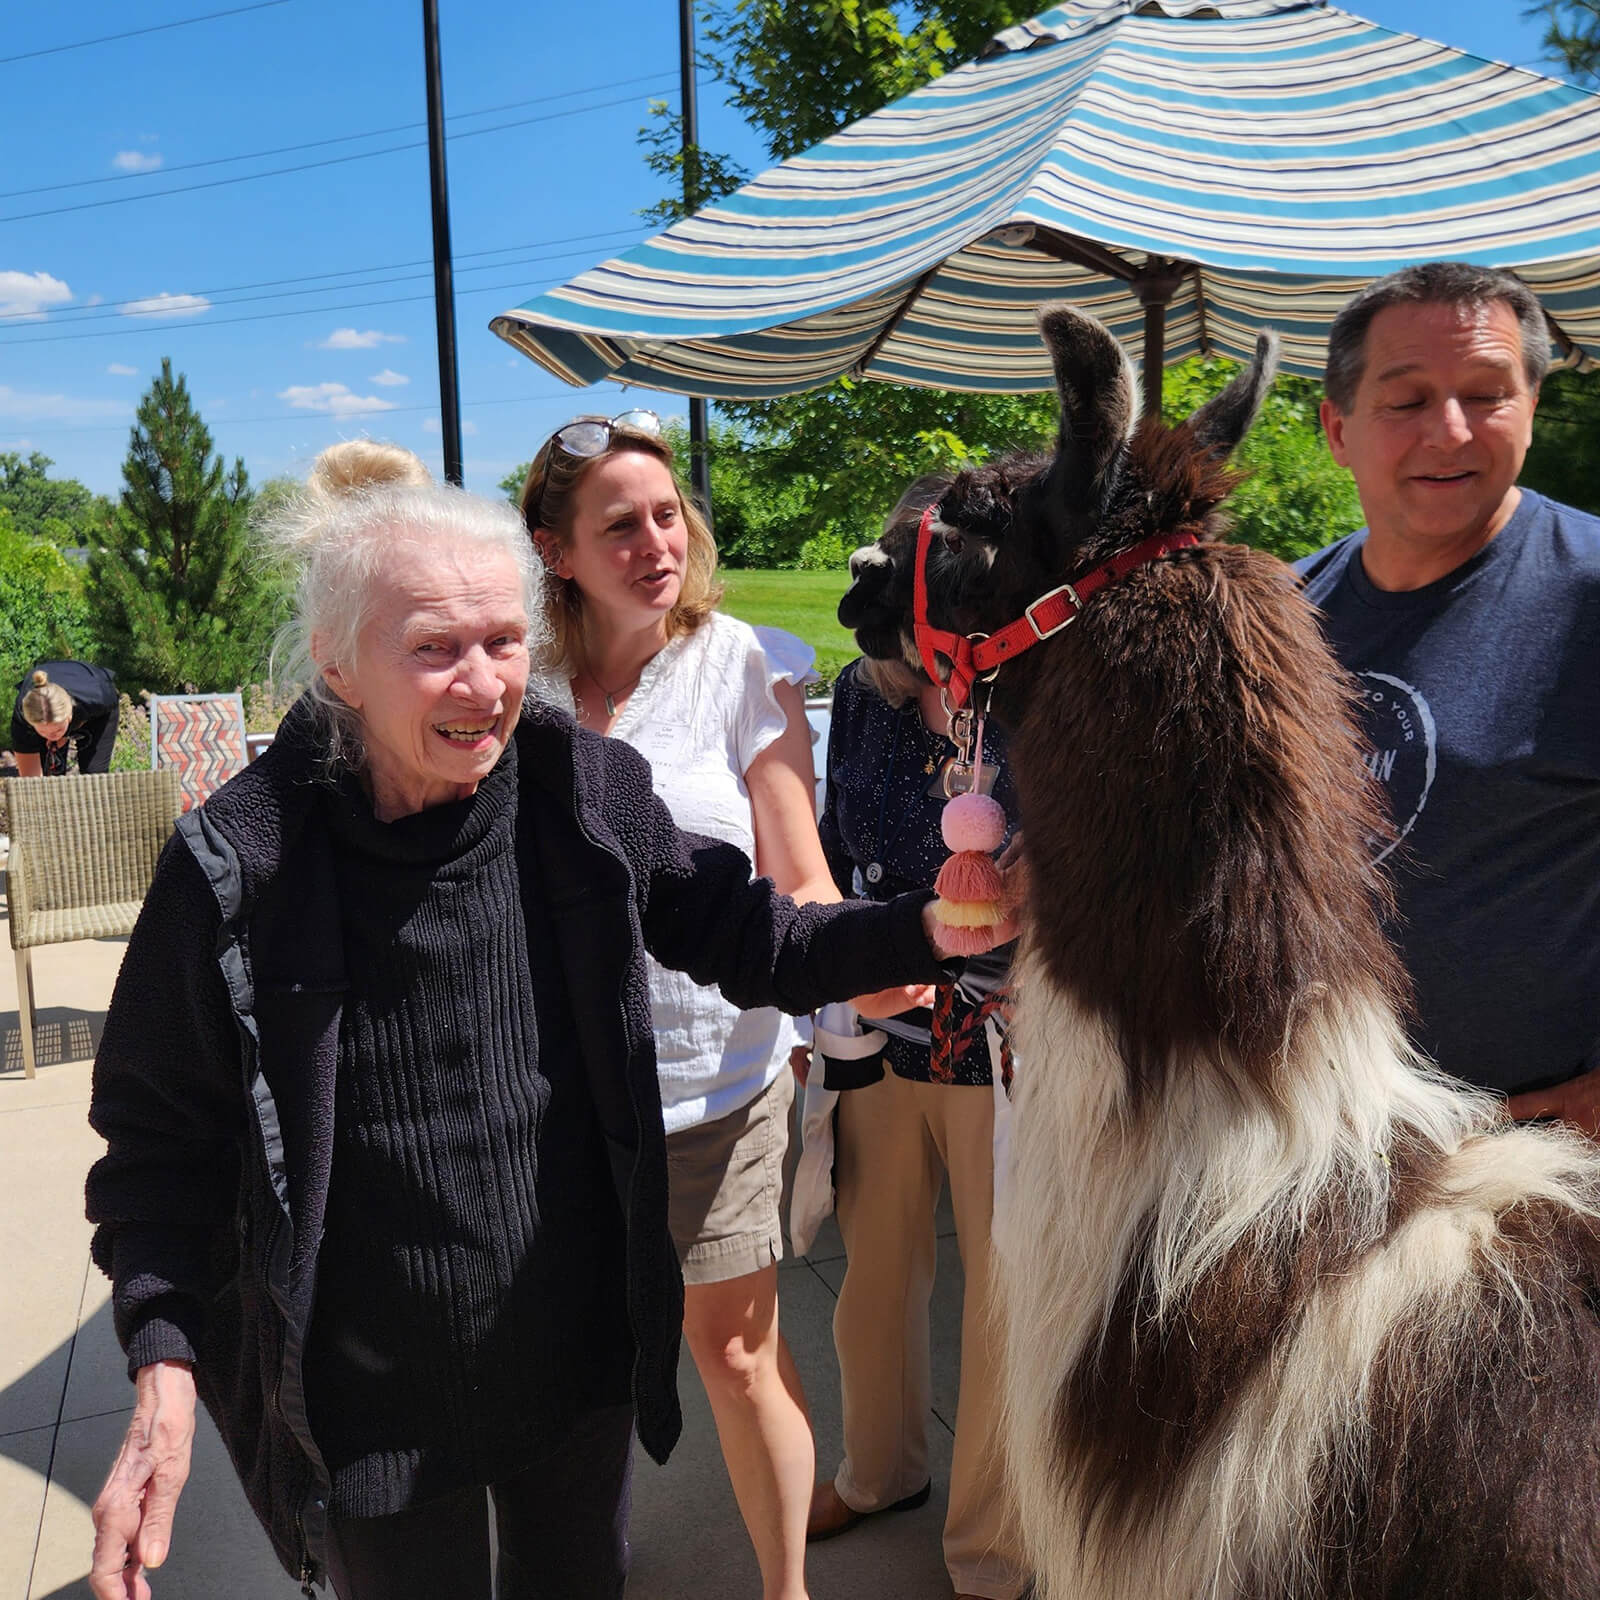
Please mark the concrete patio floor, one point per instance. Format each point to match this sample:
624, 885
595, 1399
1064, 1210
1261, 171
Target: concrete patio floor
65, 1397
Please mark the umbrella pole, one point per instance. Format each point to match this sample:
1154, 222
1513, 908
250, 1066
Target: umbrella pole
443, 286
699, 429
1155, 338
1155, 283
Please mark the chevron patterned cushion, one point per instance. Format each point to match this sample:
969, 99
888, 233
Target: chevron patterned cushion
202, 736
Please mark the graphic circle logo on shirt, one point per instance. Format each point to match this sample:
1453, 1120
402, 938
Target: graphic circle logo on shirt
1403, 744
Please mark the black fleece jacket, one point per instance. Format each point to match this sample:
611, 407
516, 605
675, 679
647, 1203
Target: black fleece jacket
214, 1083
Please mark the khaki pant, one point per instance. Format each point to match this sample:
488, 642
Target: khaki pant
895, 1141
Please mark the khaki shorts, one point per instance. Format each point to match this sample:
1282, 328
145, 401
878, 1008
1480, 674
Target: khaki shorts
725, 1182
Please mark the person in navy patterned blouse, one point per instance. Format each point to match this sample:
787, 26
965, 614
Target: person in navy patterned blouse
899, 1137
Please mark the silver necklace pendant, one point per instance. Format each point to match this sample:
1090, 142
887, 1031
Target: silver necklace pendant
611, 705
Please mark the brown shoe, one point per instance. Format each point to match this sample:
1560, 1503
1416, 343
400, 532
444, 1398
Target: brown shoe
830, 1516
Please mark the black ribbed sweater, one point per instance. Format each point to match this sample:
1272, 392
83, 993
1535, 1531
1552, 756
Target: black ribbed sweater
473, 1255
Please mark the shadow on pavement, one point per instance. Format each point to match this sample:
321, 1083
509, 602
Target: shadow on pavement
60, 1034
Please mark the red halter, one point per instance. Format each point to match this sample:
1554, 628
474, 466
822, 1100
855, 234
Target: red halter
979, 655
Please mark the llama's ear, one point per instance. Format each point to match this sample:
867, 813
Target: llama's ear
1225, 418
1099, 401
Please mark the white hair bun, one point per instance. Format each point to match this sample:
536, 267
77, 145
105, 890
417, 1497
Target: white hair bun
356, 465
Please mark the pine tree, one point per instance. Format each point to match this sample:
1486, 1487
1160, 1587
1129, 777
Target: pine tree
175, 597
1572, 35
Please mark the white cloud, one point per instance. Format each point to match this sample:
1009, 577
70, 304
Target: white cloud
135, 161
332, 398
117, 370
350, 339
34, 406
30, 294
389, 378
432, 425
167, 305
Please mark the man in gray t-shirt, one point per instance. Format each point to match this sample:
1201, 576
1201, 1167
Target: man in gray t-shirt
1469, 610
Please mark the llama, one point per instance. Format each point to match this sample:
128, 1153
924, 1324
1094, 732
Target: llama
1288, 1315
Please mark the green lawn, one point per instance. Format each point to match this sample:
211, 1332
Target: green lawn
802, 603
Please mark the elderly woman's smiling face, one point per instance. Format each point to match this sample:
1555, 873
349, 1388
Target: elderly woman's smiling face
441, 667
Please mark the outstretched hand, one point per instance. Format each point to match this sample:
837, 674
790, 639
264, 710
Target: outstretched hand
1577, 1101
133, 1513
892, 1002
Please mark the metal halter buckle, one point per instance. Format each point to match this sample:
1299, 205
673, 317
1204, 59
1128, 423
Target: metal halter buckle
1033, 622
966, 734
975, 639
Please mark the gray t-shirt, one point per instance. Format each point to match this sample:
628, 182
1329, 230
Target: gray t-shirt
1482, 702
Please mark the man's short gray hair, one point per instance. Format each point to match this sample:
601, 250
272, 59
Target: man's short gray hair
336, 548
1449, 283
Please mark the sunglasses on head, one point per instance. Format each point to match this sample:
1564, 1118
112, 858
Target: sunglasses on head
591, 436
587, 437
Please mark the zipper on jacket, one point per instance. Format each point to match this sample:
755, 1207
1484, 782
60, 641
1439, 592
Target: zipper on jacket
308, 1570
622, 1016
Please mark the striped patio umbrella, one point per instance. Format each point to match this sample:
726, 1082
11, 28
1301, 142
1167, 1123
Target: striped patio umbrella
1191, 170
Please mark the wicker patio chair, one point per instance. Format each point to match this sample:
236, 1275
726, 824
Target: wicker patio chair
83, 852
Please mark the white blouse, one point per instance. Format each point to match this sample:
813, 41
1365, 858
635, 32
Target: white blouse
701, 713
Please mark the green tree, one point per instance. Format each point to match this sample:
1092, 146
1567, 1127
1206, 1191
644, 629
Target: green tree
511, 484
851, 449
1566, 440
175, 596
41, 599
1572, 34
694, 175
61, 510
1295, 497
801, 70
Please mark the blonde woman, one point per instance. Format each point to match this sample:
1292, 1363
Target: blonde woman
642, 654
65, 711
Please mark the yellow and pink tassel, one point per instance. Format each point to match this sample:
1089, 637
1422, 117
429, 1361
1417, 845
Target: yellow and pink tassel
971, 901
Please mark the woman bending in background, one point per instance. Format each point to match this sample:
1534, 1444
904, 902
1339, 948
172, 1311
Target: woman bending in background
64, 711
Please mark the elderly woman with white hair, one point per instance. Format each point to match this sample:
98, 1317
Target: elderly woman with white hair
386, 1175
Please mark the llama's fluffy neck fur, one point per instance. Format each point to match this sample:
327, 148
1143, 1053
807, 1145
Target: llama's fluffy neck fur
1099, 1193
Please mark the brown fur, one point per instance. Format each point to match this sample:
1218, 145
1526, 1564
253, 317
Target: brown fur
1140, 1406
1480, 1481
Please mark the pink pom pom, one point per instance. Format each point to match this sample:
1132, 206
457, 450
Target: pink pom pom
973, 822
966, 941
969, 876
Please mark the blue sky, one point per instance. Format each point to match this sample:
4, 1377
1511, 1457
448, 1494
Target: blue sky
92, 298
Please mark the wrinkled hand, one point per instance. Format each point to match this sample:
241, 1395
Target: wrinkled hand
800, 1063
1577, 1101
891, 1002
133, 1514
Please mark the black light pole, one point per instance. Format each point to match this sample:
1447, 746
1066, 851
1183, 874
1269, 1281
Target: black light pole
699, 434
444, 299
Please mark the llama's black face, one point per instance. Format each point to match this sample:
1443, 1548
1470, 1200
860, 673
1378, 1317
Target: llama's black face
879, 597
977, 511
